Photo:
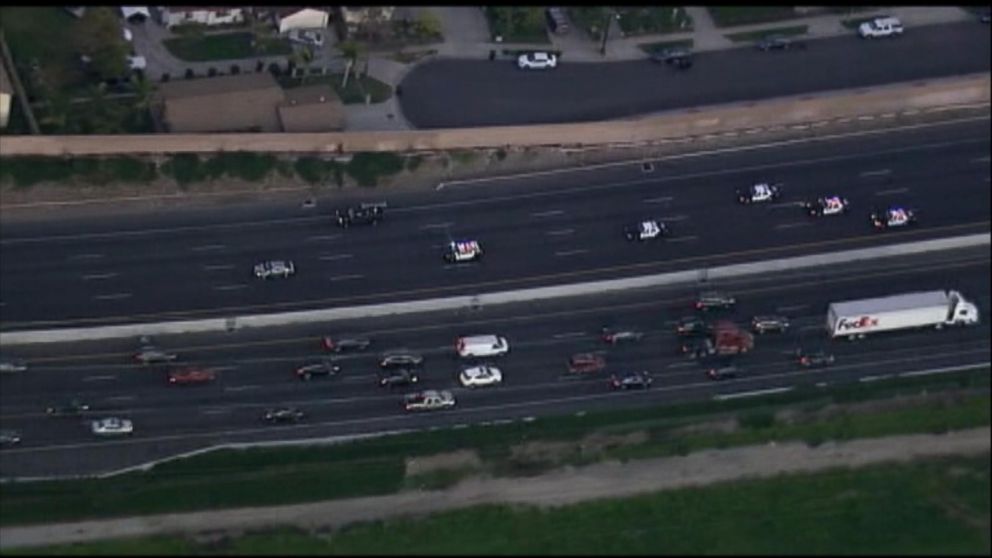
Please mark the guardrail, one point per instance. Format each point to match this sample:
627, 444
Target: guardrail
495, 298
822, 107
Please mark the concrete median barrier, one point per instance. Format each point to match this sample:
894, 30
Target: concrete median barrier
491, 299
804, 109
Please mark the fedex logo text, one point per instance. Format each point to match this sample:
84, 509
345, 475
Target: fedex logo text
857, 323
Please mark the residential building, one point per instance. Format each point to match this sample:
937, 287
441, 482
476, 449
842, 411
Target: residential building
355, 17
314, 108
136, 14
6, 96
236, 103
210, 16
290, 18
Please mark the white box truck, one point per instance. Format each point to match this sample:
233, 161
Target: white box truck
857, 318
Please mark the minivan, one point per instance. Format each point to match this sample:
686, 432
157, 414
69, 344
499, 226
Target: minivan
481, 346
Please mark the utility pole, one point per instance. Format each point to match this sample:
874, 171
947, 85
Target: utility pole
606, 30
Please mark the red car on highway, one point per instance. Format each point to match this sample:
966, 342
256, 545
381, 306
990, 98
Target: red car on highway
584, 363
191, 376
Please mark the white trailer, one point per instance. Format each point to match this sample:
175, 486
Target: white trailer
936, 309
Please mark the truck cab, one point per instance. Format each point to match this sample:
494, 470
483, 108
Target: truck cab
962, 312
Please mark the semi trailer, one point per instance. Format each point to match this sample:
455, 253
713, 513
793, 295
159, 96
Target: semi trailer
936, 309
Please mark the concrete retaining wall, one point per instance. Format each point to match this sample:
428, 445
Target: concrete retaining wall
803, 109
488, 299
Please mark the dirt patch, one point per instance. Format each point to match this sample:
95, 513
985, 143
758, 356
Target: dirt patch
835, 410
721, 426
461, 459
593, 445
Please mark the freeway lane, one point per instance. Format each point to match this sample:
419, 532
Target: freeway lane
549, 229
466, 93
255, 368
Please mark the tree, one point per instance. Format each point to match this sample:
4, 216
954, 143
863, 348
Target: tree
428, 25
351, 51
143, 90
98, 36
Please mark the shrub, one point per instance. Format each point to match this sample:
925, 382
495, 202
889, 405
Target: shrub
311, 169
127, 169
275, 69
259, 66
27, 171
500, 154
366, 168
184, 168
166, 77
413, 162
189, 73
211, 72
247, 166
757, 420
235, 69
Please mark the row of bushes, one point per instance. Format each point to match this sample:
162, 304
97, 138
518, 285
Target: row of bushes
188, 168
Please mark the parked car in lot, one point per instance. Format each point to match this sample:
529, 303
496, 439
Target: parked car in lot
191, 377
275, 268
715, 300
430, 400
631, 380
9, 438
282, 415
779, 42
537, 61
345, 344
480, 376
585, 363
152, 355
398, 377
112, 426
814, 359
400, 358
765, 324
620, 336
73, 408
322, 369
8, 364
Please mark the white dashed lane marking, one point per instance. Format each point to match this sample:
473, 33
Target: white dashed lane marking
219, 267
96, 276
551, 213
688, 238
562, 232
115, 296
570, 252
208, 247
346, 277
332, 257
891, 192
229, 287
792, 225
436, 226
85, 257
880, 172
662, 199
322, 237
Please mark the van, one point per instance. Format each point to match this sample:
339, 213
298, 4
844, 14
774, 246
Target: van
481, 346
880, 27
557, 21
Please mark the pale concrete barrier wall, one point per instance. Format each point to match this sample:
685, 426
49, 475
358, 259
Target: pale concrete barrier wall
786, 111
489, 299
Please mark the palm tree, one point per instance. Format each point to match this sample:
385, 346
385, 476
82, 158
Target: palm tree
351, 51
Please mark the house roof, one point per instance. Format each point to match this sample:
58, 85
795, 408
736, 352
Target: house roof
6, 86
315, 108
222, 104
283, 11
176, 9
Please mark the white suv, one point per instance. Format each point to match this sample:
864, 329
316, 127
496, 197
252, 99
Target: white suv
880, 27
537, 61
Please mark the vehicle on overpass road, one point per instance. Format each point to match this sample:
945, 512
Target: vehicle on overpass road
541, 230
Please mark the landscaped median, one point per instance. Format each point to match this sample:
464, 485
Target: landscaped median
750, 117
691, 437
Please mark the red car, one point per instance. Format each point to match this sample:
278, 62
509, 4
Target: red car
584, 363
191, 376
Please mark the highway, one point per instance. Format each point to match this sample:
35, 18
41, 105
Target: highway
467, 93
255, 368
540, 230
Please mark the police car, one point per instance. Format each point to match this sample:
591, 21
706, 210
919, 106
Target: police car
274, 268
645, 230
893, 217
363, 214
463, 251
429, 400
833, 205
760, 192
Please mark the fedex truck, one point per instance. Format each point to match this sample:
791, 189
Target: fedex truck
857, 318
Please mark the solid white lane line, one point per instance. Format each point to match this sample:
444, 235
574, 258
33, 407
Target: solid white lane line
103, 378
120, 398
562, 232
322, 237
240, 388
892, 191
984, 159
436, 226
685, 364
793, 225
215, 411
114, 296
661, 199
346, 277
332, 257
85, 257
881, 172
569, 334
723, 397
98, 276
207, 247
688, 238
551, 213
229, 287
570, 252
218, 267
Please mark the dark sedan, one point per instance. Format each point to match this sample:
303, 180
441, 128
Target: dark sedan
283, 415
324, 369
778, 42
398, 377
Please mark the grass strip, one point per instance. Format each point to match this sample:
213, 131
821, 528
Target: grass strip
225, 46
231, 478
729, 16
928, 507
761, 34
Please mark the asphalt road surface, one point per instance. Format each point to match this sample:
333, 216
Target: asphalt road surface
466, 93
548, 229
256, 368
